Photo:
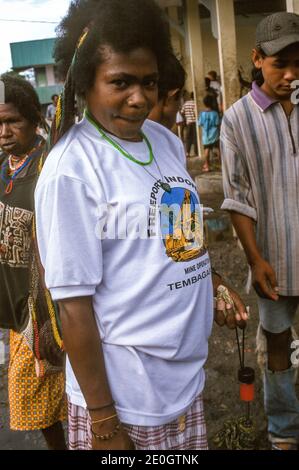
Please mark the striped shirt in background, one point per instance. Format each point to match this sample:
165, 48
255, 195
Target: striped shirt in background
189, 111
260, 151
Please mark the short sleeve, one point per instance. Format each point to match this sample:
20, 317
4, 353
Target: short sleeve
70, 250
236, 182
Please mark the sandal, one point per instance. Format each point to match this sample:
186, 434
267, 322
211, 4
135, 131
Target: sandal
284, 444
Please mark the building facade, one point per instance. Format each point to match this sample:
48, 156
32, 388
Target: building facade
34, 59
218, 35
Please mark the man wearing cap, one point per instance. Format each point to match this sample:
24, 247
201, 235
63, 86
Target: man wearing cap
260, 148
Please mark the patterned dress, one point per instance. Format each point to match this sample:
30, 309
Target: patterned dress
35, 403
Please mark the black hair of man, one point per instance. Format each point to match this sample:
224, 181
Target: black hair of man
123, 25
22, 95
54, 96
257, 74
173, 77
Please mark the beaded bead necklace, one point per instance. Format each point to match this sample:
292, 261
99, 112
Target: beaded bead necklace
14, 164
126, 154
9, 172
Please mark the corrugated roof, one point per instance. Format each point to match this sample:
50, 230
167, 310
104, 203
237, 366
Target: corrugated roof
32, 53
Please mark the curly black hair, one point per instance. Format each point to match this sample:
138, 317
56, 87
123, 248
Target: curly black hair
22, 95
257, 74
122, 24
172, 76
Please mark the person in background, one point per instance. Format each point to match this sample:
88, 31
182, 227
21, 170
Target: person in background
212, 93
260, 157
189, 113
215, 86
51, 109
170, 86
35, 403
209, 121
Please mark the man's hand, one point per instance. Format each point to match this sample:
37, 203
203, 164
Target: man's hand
230, 310
264, 280
263, 276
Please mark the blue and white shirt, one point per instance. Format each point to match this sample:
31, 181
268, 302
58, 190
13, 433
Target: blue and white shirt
260, 152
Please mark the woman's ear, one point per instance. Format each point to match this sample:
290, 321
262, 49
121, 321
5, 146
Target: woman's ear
257, 58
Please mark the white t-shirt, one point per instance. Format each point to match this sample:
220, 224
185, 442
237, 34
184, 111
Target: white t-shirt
152, 296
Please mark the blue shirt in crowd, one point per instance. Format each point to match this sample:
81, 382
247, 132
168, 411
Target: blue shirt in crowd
210, 122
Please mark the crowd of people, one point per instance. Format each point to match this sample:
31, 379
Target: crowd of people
129, 298
209, 120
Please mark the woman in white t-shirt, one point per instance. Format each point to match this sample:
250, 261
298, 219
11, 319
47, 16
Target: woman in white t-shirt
120, 236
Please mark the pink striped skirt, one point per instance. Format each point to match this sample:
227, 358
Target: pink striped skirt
186, 433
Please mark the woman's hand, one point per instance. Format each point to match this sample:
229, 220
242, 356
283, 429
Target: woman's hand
230, 310
119, 441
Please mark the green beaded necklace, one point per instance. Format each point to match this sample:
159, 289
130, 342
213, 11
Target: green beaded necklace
126, 154
92, 121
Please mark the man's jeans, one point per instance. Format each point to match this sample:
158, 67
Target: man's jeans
281, 403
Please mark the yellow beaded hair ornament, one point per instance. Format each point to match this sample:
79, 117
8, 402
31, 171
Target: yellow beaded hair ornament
82, 38
63, 122
58, 112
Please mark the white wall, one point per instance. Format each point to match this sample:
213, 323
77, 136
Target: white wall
50, 75
245, 29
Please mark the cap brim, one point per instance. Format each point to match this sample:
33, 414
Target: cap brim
277, 45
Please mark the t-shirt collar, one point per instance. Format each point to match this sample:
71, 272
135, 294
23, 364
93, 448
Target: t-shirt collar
263, 100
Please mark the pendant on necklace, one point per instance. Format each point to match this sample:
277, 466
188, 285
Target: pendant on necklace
165, 186
9, 187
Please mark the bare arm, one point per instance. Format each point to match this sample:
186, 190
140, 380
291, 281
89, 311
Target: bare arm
83, 346
263, 275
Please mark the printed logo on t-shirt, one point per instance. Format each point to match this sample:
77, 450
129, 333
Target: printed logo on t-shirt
15, 236
174, 217
182, 225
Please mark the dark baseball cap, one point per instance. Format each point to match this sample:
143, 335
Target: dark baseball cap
277, 31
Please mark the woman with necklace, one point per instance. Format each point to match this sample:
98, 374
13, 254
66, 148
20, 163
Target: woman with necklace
35, 402
119, 234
